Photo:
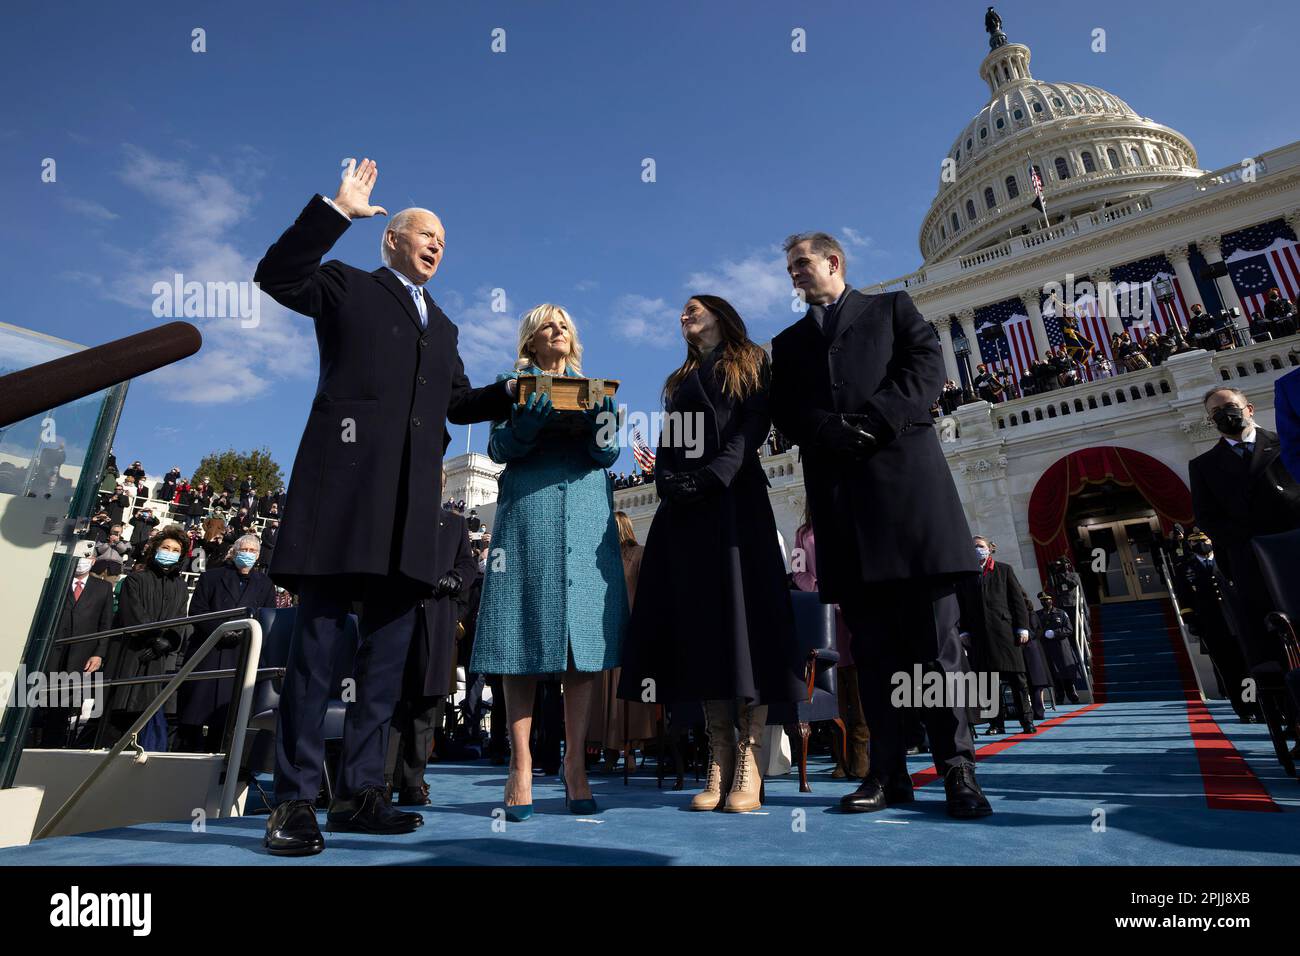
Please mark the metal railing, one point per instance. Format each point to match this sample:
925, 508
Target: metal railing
232, 620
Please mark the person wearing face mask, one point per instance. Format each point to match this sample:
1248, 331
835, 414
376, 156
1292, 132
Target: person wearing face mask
154, 592
1055, 630
1241, 489
995, 617
87, 609
1201, 597
203, 705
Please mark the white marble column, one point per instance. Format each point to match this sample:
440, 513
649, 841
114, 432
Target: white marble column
1032, 300
1106, 300
943, 324
967, 319
1178, 258
1213, 251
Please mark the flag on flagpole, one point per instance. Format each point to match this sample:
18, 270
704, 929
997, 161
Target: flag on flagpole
1040, 201
645, 458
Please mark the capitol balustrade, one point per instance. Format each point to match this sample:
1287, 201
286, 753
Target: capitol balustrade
1182, 379
1160, 201
782, 469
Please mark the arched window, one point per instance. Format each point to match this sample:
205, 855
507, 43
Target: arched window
1019, 114
1000, 122
1013, 190
984, 132
956, 226
1088, 165
1062, 168
989, 200
1135, 156
1112, 157
970, 210
1038, 107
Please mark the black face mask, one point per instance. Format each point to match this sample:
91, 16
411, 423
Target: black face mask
1202, 548
1229, 420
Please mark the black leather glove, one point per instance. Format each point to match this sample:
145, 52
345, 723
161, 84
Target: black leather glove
449, 585
688, 487
844, 437
157, 647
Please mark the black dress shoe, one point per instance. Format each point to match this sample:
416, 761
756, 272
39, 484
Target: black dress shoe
966, 800
418, 797
868, 798
292, 830
368, 812
994, 729
1027, 727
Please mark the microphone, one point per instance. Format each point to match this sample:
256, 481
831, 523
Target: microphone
42, 387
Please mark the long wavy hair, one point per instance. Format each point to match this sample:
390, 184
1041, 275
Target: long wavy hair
740, 362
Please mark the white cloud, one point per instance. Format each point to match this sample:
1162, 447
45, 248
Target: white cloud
199, 212
645, 321
88, 209
756, 285
488, 340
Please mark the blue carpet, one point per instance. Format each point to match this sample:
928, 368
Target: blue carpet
1118, 784
1133, 760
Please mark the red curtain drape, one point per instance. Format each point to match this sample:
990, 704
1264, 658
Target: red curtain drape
1050, 501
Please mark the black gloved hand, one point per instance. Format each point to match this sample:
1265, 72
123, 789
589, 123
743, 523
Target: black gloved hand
842, 436
157, 647
690, 486
449, 585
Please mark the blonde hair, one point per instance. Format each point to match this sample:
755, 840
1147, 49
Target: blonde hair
626, 534
533, 320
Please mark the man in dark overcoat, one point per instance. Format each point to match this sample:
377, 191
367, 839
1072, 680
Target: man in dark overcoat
362, 523
852, 385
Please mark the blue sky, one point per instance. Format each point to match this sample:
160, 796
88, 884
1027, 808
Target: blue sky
174, 161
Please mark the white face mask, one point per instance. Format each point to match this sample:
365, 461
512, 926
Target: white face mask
83, 566
982, 554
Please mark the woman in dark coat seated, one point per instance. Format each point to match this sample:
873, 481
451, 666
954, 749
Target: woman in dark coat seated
232, 583
155, 592
713, 619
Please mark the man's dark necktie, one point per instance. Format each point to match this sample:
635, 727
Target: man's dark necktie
1244, 450
826, 317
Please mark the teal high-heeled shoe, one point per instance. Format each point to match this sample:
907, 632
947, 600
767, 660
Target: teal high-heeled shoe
581, 808
519, 812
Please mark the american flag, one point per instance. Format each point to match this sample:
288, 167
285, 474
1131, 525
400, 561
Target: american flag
1005, 337
1135, 285
1091, 323
1264, 257
645, 458
1040, 201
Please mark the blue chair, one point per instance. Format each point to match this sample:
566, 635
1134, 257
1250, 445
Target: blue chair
815, 630
1278, 682
277, 634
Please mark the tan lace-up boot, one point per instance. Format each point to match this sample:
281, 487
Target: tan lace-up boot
722, 755
746, 786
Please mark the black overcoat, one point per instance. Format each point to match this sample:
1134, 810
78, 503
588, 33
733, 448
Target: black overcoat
1060, 647
148, 595
364, 489
895, 516
993, 609
433, 649
204, 702
712, 618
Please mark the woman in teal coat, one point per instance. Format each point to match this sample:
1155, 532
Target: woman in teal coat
554, 598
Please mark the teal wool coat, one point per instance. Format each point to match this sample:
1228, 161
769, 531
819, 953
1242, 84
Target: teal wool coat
554, 578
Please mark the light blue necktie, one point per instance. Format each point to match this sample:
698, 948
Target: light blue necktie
418, 296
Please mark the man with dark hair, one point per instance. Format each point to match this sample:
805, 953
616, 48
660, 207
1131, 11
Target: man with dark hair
852, 385
1241, 489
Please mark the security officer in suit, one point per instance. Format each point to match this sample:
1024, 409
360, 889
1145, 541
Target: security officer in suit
363, 517
87, 609
852, 385
1199, 590
1240, 489
431, 662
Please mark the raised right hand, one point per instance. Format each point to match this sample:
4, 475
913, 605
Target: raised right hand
353, 196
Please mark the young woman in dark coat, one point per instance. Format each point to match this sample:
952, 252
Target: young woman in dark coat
155, 592
232, 583
713, 620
